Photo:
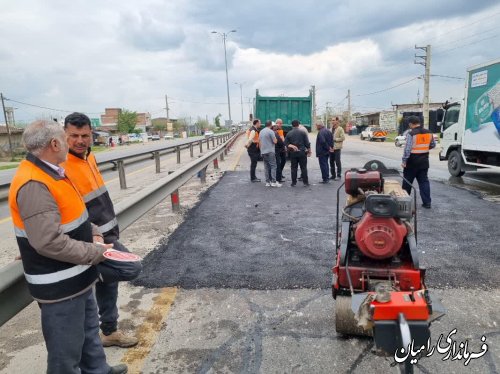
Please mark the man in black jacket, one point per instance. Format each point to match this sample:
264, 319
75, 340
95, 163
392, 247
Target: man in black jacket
324, 146
280, 151
297, 143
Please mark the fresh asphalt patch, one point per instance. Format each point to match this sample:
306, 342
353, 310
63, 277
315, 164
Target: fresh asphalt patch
246, 235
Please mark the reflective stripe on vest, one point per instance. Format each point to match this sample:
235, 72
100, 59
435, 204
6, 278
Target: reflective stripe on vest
421, 143
108, 226
57, 276
93, 194
87, 178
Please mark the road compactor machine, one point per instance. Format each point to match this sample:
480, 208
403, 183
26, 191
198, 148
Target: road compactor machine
378, 284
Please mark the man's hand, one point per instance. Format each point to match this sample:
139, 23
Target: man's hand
246, 146
100, 257
309, 153
332, 150
403, 165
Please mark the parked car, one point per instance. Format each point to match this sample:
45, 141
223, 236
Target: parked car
134, 138
400, 140
155, 137
208, 134
168, 136
373, 133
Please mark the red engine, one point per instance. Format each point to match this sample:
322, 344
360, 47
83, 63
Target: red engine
379, 237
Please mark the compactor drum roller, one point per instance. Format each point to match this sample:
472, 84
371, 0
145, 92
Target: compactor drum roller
378, 283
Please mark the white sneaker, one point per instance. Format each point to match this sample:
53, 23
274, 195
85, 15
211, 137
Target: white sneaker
268, 184
276, 184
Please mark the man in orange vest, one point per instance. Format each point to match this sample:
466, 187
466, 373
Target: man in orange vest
59, 251
419, 142
280, 151
252, 146
81, 169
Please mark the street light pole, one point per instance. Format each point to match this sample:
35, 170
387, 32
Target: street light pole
241, 98
224, 36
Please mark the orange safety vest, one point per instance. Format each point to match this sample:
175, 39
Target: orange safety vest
255, 139
49, 279
87, 178
281, 133
421, 143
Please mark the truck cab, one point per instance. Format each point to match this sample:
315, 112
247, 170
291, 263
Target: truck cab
470, 129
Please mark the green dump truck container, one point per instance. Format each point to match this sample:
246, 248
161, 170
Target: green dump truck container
284, 107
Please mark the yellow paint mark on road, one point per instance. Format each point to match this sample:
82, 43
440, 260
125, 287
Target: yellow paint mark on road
237, 162
4, 220
147, 333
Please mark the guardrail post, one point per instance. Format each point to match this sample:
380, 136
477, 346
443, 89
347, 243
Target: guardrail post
174, 199
121, 175
157, 161
201, 146
178, 150
218, 139
208, 143
225, 150
203, 175
191, 152
216, 163
213, 142
222, 156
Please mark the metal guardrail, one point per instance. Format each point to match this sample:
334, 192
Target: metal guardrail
14, 294
215, 140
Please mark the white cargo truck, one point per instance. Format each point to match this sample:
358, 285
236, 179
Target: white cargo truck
470, 129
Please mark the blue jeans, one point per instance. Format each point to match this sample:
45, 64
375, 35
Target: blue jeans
106, 291
270, 167
423, 183
323, 165
71, 332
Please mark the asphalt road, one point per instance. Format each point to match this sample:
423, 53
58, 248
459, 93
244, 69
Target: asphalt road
253, 266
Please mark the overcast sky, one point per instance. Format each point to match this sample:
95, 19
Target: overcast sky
85, 55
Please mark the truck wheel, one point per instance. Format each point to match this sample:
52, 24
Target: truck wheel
455, 164
361, 137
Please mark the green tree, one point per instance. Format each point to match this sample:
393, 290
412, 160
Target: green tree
127, 121
180, 125
217, 120
201, 124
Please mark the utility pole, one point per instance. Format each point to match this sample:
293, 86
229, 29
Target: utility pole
7, 126
224, 36
349, 106
426, 62
166, 107
313, 94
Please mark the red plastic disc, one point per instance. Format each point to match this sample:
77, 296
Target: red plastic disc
113, 254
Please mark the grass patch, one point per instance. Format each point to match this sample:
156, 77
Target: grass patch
6, 167
99, 148
391, 136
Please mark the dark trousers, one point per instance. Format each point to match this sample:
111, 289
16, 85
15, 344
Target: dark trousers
106, 291
323, 165
71, 332
335, 161
299, 158
280, 165
423, 183
254, 158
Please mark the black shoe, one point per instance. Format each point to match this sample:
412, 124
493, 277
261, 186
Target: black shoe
339, 177
299, 178
293, 184
118, 369
306, 185
333, 177
256, 180
325, 182
426, 206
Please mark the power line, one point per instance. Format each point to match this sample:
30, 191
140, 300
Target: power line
447, 76
467, 25
43, 107
447, 43
389, 88
464, 45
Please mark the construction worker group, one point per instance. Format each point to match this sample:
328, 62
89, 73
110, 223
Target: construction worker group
272, 146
